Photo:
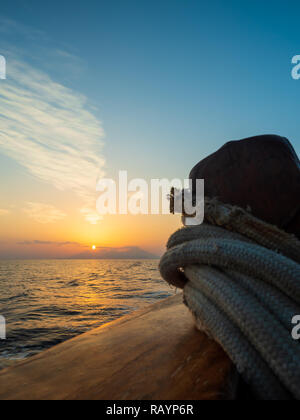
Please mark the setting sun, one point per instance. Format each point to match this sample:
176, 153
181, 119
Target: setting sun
94, 247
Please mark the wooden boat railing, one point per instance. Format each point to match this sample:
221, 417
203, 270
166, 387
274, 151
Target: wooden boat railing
153, 354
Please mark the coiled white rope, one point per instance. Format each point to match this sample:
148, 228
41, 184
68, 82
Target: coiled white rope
241, 280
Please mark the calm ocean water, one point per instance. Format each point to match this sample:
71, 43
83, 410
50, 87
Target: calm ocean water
47, 302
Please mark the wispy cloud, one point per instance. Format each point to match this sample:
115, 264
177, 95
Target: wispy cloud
43, 213
91, 216
11, 27
49, 129
37, 242
4, 212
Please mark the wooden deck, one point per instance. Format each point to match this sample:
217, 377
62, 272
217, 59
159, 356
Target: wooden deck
151, 354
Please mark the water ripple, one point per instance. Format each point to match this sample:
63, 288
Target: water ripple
48, 302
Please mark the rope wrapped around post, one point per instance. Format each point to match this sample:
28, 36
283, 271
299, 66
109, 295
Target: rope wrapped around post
241, 280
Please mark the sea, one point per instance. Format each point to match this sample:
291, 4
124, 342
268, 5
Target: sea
45, 302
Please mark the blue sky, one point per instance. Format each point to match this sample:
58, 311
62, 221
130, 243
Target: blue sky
172, 80
168, 82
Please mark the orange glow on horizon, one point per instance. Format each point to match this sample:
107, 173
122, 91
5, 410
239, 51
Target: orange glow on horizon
70, 237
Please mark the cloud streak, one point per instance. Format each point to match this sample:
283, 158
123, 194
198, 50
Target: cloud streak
43, 213
4, 212
37, 242
48, 129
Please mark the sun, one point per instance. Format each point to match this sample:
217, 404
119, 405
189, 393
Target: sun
94, 247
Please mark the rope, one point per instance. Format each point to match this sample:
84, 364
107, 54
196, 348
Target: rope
241, 281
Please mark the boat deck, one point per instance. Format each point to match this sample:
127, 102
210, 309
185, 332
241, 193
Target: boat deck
153, 354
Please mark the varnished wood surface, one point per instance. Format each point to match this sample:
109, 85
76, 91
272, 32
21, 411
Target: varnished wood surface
151, 354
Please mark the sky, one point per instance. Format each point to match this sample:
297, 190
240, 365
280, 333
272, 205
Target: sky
151, 87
